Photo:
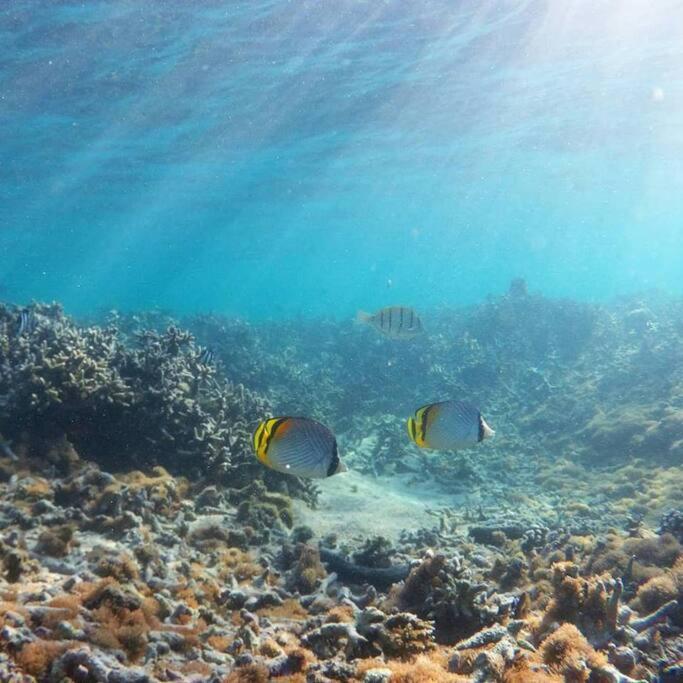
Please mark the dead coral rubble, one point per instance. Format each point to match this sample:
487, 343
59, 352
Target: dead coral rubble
139, 578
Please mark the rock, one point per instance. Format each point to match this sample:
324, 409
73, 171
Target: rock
111, 594
67, 631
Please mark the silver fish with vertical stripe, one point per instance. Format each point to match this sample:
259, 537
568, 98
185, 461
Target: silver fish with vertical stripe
395, 322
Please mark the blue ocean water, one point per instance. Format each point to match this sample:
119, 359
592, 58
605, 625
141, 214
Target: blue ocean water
274, 159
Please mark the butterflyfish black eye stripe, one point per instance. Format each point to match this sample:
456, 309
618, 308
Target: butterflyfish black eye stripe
270, 433
423, 422
261, 435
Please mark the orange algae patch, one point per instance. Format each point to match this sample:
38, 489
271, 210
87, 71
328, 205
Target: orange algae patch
150, 608
521, 671
197, 570
162, 489
467, 657
37, 489
566, 651
252, 673
289, 609
211, 589
432, 668
188, 597
127, 629
661, 551
654, 593
51, 619
122, 568
35, 658
237, 563
247, 570
195, 667
651, 554
120, 624
220, 643
12, 607
256, 673
342, 614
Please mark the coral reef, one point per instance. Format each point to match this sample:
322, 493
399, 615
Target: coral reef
141, 541
136, 401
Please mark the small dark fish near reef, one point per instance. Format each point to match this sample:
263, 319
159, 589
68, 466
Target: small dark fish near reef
27, 322
207, 356
448, 425
395, 322
298, 446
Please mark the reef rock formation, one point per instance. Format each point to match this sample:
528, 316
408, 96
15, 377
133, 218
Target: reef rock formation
128, 402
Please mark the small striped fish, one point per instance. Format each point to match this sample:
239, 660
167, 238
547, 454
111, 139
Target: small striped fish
299, 446
207, 356
27, 321
395, 322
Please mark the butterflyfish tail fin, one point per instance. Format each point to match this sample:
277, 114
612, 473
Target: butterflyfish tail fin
486, 431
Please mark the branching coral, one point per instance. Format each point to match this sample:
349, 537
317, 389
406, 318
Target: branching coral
147, 400
590, 603
372, 632
307, 569
442, 590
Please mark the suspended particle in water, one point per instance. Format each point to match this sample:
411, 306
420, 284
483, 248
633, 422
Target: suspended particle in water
657, 94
